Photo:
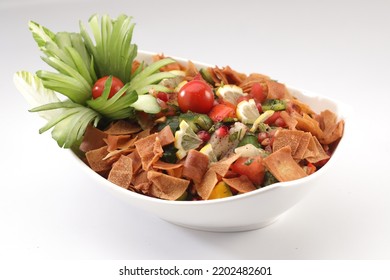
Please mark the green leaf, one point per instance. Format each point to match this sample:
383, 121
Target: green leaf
33, 90
41, 34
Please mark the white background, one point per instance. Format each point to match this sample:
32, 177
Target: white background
340, 49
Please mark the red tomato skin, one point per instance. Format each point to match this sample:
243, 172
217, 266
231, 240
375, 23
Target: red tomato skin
252, 167
258, 93
221, 111
98, 87
163, 96
196, 96
271, 120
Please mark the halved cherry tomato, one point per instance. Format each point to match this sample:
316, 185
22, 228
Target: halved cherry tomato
221, 111
196, 96
252, 167
98, 87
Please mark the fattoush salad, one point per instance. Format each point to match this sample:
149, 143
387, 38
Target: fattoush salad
167, 129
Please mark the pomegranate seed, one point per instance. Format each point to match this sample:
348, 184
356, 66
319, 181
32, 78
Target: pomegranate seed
204, 135
222, 131
262, 136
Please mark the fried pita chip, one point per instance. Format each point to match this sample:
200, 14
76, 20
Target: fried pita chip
172, 169
119, 145
178, 172
149, 150
144, 133
252, 79
222, 166
136, 160
172, 66
332, 130
289, 120
282, 165
115, 142
317, 153
302, 147
195, 165
241, 184
93, 139
277, 90
308, 124
95, 159
121, 173
140, 178
141, 188
301, 107
191, 70
166, 136
232, 76
123, 127
165, 186
166, 165
286, 137
205, 187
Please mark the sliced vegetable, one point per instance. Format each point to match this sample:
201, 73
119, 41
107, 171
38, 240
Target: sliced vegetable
249, 139
206, 76
197, 121
247, 111
66, 53
116, 107
252, 167
70, 125
230, 93
221, 112
220, 190
274, 104
112, 50
185, 140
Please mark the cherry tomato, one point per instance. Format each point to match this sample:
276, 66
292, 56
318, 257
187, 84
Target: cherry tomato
98, 87
252, 167
196, 96
221, 111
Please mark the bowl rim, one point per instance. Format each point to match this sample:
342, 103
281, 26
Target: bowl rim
343, 114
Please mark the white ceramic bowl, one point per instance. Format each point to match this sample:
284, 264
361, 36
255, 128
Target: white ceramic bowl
247, 211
